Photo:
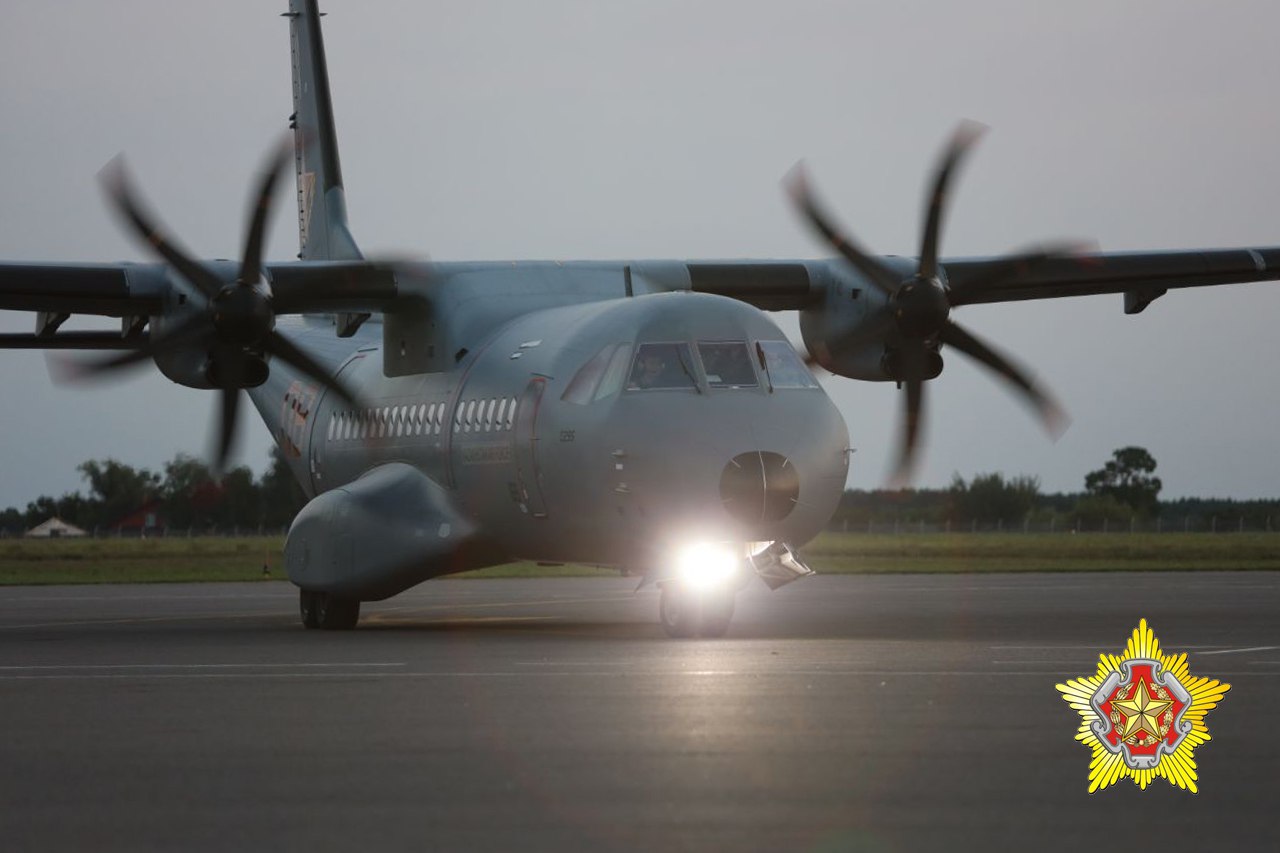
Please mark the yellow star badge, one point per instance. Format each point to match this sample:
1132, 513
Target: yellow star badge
1142, 714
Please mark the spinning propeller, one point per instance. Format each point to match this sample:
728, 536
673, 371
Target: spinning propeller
921, 305
232, 321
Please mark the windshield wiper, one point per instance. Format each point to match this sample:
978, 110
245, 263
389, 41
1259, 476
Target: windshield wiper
687, 371
764, 365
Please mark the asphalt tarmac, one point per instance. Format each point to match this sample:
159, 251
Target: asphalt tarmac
841, 713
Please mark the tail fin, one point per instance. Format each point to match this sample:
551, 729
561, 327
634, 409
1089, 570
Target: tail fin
322, 208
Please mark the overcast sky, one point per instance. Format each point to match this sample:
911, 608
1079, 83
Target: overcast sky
478, 130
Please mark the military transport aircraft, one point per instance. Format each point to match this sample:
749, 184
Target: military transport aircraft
640, 414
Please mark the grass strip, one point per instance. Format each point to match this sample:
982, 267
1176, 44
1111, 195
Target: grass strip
71, 561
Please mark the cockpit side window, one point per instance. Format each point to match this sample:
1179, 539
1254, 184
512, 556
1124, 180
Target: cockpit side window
661, 366
783, 367
582, 387
728, 364
617, 371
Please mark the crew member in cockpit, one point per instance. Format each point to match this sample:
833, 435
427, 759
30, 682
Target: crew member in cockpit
648, 370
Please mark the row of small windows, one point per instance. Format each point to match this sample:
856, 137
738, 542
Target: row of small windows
491, 415
387, 422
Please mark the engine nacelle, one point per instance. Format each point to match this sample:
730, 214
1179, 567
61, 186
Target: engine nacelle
853, 331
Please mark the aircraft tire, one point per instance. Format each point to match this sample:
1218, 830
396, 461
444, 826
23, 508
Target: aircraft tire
334, 613
678, 612
685, 613
308, 608
716, 614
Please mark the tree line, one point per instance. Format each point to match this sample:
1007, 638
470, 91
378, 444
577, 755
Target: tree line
1125, 490
184, 495
1120, 495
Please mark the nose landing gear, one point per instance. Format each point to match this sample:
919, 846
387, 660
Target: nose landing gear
330, 612
688, 612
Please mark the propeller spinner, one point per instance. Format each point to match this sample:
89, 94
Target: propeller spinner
233, 321
921, 304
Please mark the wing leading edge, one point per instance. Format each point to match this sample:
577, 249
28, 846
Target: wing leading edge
136, 292
1141, 276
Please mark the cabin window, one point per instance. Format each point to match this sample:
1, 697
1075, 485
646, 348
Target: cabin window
783, 367
511, 412
662, 367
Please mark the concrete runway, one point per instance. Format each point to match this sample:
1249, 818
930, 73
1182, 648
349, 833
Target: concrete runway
841, 713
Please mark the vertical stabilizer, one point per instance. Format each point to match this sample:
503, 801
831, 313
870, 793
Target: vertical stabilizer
322, 210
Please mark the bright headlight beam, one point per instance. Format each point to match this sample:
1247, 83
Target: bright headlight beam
704, 565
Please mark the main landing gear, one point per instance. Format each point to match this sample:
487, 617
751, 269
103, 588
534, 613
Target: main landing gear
686, 611
327, 611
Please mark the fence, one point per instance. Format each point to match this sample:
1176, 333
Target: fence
163, 533
1178, 524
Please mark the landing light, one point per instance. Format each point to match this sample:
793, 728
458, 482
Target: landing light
705, 565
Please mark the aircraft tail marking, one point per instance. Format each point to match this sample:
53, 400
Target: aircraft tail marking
322, 209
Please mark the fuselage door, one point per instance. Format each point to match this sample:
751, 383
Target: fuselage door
528, 478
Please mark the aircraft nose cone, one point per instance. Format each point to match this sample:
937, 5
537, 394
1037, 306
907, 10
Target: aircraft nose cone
759, 487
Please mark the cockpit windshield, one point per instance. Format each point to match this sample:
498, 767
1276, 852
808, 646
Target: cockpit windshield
784, 367
728, 364
660, 366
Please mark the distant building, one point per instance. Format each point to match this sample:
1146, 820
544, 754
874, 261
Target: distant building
142, 521
54, 528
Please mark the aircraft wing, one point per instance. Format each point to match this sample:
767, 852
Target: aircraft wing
135, 292
1141, 276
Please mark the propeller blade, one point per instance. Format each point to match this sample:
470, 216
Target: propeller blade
1055, 420
187, 333
115, 181
797, 185
287, 351
228, 407
1015, 266
251, 265
961, 141
912, 420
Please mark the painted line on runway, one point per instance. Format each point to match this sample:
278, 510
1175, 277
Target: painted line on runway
1242, 651
271, 612
1094, 647
110, 666
140, 620
54, 599
612, 674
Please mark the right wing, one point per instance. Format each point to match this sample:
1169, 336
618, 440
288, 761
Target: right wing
136, 292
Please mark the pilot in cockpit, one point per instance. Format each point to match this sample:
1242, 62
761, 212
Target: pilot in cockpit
648, 370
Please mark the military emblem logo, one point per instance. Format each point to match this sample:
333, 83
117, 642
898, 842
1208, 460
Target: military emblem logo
1142, 714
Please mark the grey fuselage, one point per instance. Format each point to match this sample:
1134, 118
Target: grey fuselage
616, 480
